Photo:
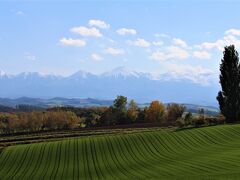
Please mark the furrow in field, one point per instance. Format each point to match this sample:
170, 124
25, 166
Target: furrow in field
124, 156
56, 172
13, 156
38, 163
200, 153
114, 160
49, 159
109, 172
36, 160
99, 166
91, 161
21, 157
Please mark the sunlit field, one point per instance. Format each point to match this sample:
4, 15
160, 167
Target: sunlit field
210, 152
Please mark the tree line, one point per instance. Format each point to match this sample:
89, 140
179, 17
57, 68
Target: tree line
38, 120
120, 113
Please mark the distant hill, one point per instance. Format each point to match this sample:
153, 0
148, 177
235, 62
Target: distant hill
143, 87
8, 105
53, 102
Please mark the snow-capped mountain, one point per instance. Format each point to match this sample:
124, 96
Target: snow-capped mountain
81, 75
144, 87
123, 72
4, 75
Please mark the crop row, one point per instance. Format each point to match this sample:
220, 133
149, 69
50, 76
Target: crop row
197, 153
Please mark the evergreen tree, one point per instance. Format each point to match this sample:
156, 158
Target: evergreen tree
230, 81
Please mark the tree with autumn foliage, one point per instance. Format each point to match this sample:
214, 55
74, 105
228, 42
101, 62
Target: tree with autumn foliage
155, 112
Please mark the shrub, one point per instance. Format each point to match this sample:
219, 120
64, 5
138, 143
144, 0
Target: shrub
215, 120
180, 123
198, 121
188, 118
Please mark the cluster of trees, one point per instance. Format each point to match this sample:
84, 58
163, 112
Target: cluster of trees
188, 120
90, 116
36, 121
121, 112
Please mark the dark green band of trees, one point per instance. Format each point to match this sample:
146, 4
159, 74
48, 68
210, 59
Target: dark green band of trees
229, 96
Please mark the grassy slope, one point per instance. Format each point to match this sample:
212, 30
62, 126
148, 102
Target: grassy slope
204, 153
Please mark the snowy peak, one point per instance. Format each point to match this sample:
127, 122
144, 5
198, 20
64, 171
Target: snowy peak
122, 72
80, 75
4, 75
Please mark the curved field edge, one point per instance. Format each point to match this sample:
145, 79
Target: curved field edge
204, 153
24, 138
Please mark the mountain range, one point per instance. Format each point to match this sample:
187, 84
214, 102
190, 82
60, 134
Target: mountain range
143, 87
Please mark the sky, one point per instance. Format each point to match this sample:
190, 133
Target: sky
61, 37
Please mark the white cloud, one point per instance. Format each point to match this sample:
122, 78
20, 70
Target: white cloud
114, 51
20, 13
229, 38
125, 31
176, 52
219, 44
98, 23
179, 42
140, 42
30, 56
84, 31
72, 42
235, 32
202, 54
160, 56
96, 57
157, 43
170, 53
197, 74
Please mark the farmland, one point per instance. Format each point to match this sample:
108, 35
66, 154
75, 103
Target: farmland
199, 153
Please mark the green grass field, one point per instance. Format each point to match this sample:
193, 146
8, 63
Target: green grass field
203, 153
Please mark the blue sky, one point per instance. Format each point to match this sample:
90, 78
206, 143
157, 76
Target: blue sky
181, 37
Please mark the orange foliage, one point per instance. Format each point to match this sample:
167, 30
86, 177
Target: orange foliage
155, 112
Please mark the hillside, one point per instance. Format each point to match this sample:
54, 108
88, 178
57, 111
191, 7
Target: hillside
203, 153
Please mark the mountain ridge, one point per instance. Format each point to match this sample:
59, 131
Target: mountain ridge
143, 87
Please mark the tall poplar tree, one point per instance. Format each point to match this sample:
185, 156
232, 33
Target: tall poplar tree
228, 97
